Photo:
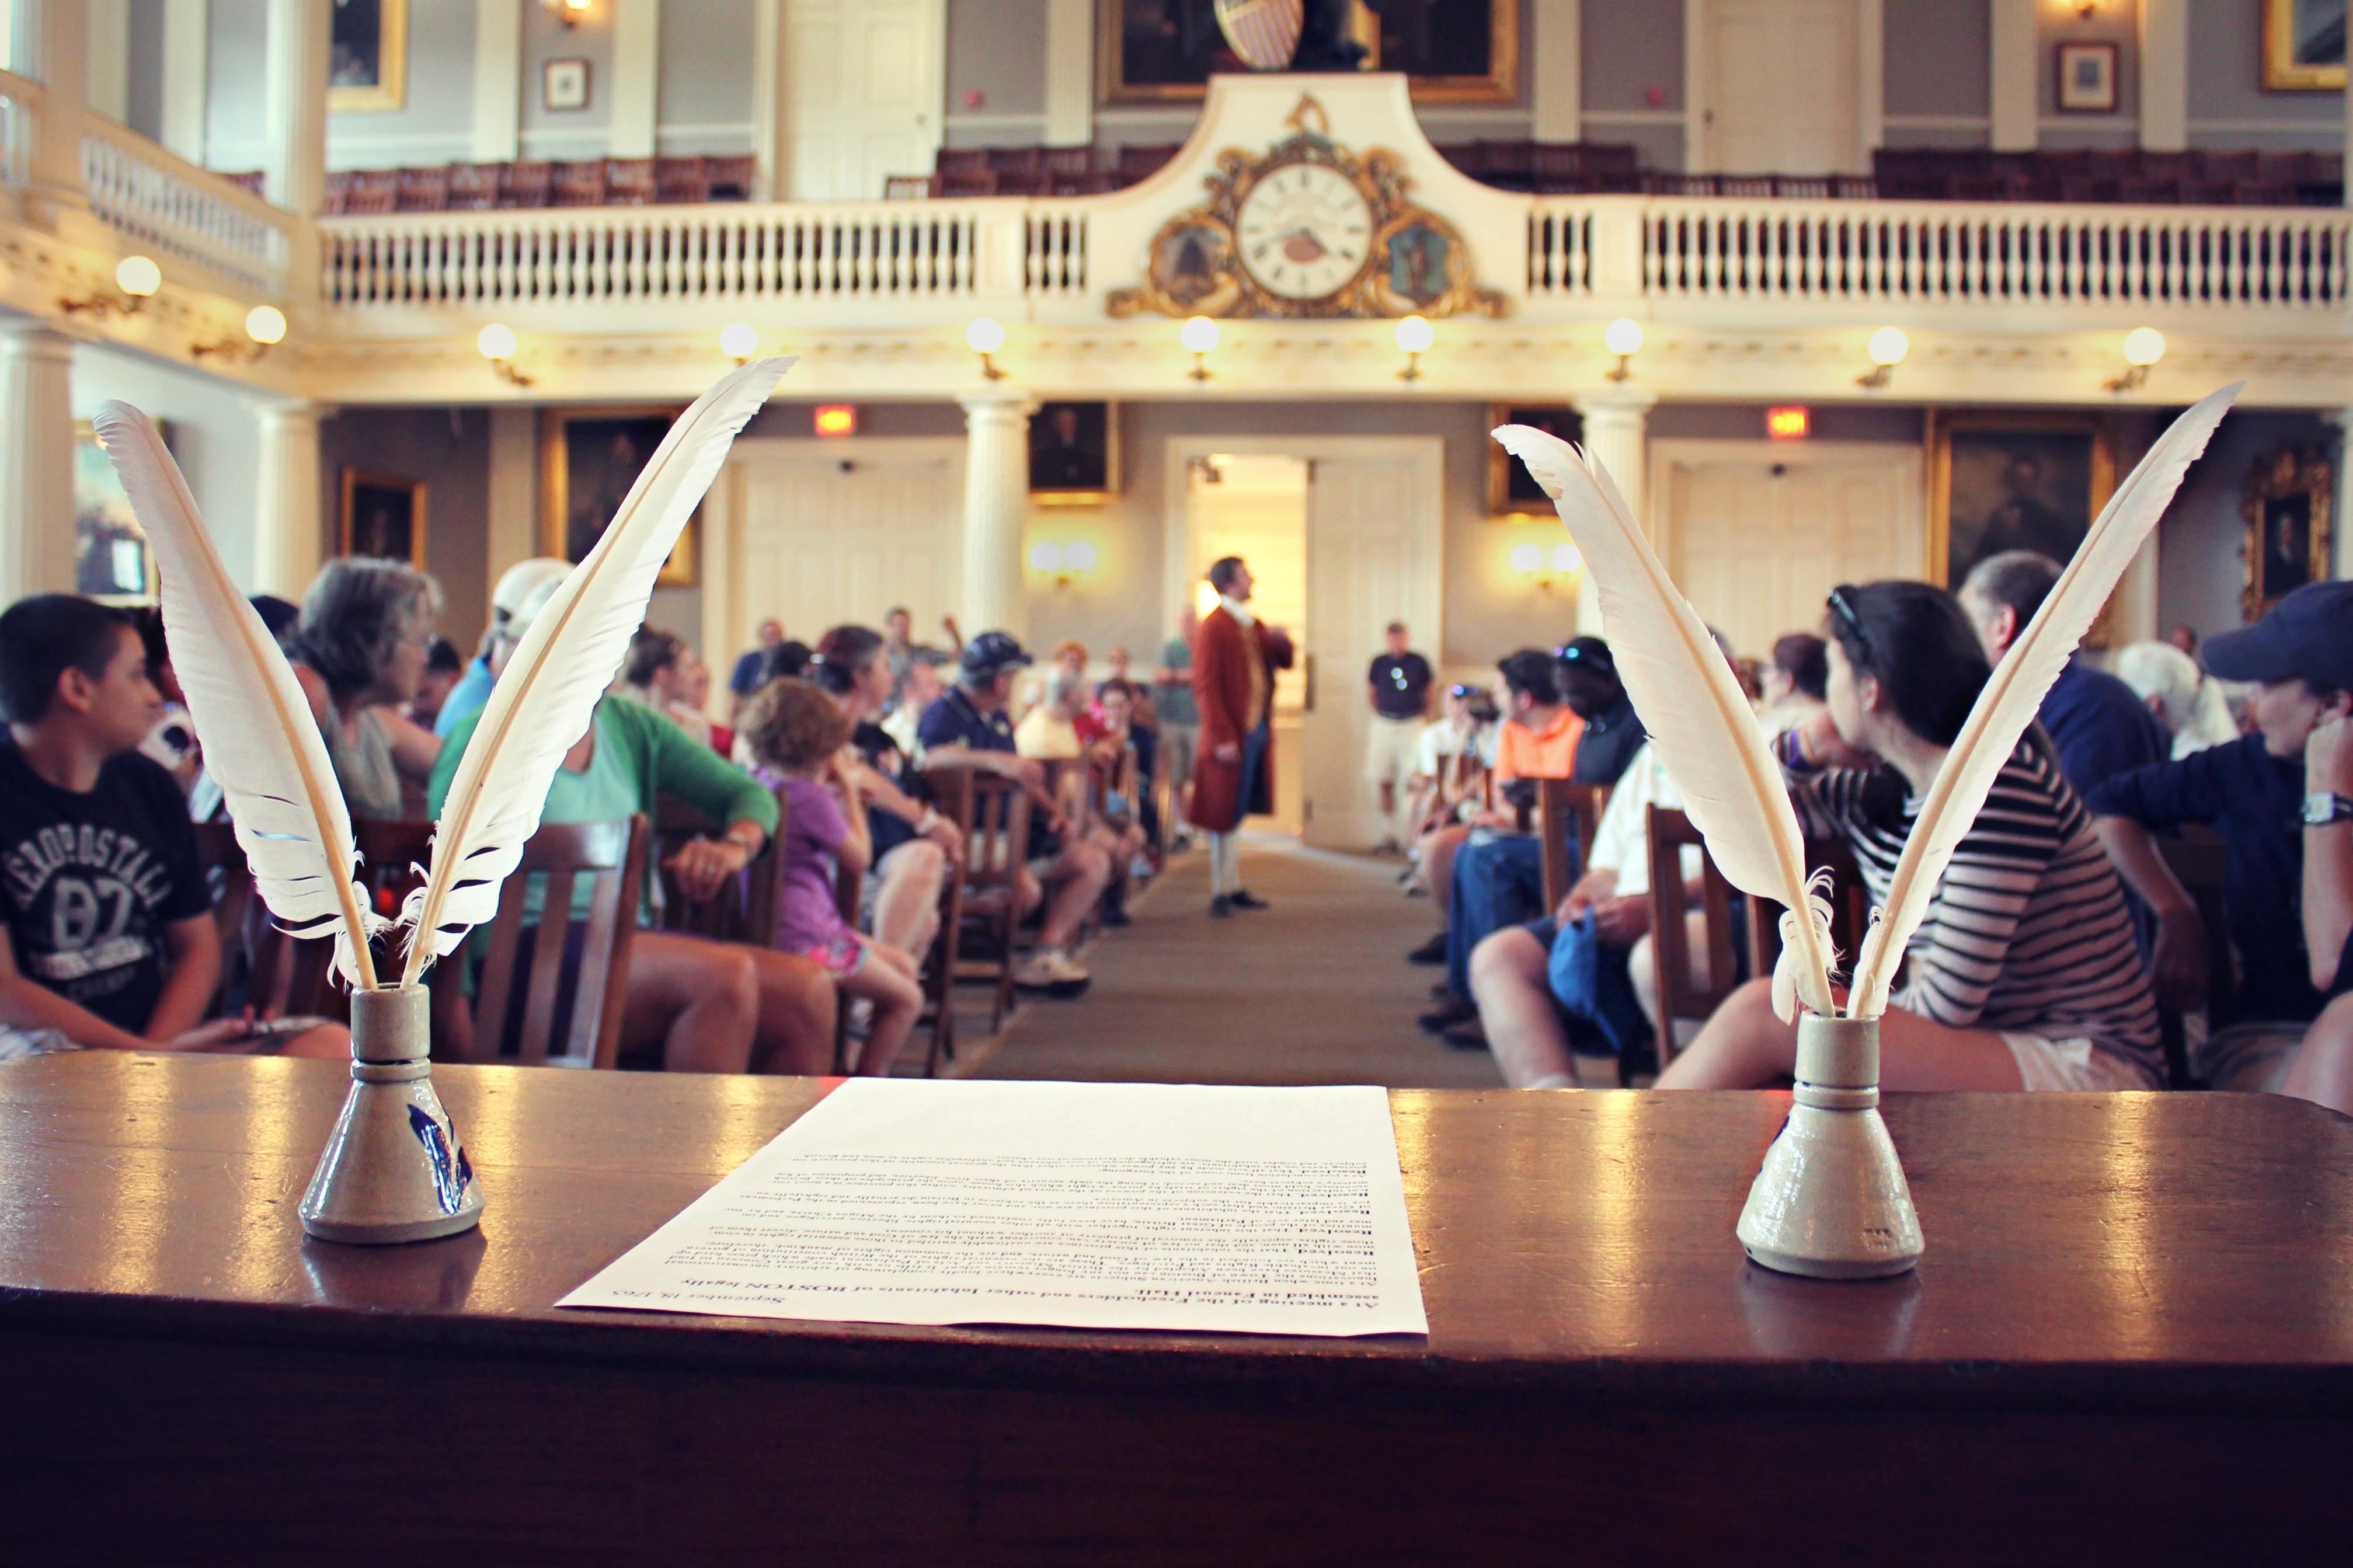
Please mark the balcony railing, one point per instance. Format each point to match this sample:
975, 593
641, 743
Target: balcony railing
170, 206
20, 100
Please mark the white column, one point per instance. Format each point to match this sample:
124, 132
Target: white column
637, 70
1070, 73
106, 57
2348, 147
1616, 426
996, 508
1870, 81
2165, 75
498, 81
294, 88
1556, 71
37, 508
51, 32
187, 28
2016, 52
515, 487
771, 111
2340, 547
288, 529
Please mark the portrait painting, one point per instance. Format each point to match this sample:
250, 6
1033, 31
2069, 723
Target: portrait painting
2014, 481
382, 515
110, 558
1191, 261
2287, 509
564, 86
588, 459
2304, 45
1073, 452
1511, 488
1453, 51
1420, 258
367, 55
2087, 79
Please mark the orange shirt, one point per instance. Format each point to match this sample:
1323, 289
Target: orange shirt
1547, 753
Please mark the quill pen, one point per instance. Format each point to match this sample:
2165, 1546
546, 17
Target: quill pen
543, 699
1697, 716
261, 743
2016, 689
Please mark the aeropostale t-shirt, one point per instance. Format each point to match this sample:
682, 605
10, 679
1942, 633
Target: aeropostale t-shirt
89, 882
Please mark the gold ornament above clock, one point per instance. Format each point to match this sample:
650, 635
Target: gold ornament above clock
1308, 229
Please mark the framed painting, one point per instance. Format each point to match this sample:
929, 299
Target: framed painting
1074, 453
382, 515
564, 86
1512, 490
2288, 526
588, 459
110, 558
2002, 482
367, 55
1453, 51
2304, 45
2087, 79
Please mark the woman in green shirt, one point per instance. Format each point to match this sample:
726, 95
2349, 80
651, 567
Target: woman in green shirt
711, 1006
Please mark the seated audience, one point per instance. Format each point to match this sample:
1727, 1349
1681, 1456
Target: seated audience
661, 672
898, 626
1791, 685
923, 686
278, 616
359, 651
2098, 725
442, 669
2023, 975
1049, 732
107, 939
968, 727
2187, 702
914, 845
171, 743
1441, 740
796, 730
1109, 736
751, 670
516, 583
2254, 792
1177, 718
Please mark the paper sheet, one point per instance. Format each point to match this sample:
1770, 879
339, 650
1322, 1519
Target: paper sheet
1232, 1210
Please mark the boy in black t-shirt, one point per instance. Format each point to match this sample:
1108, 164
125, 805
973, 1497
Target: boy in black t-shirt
105, 928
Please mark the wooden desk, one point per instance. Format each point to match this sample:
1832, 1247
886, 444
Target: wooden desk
2132, 1337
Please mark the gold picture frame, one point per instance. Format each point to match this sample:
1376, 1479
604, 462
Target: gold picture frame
367, 63
2287, 509
1499, 84
1982, 497
1512, 490
382, 515
574, 515
1074, 453
2283, 72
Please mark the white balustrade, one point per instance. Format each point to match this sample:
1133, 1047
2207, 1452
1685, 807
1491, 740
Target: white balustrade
166, 204
20, 99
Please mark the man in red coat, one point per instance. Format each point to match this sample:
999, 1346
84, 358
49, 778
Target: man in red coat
1234, 661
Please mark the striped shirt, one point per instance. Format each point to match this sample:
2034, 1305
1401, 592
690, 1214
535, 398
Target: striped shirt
2028, 930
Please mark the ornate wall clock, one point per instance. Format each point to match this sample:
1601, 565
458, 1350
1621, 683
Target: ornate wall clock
1307, 229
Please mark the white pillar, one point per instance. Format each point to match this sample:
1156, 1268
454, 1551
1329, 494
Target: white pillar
771, 111
1870, 81
2016, 57
294, 90
1617, 424
106, 57
2340, 548
1070, 73
51, 32
187, 28
515, 487
36, 457
1556, 71
2165, 75
2348, 144
996, 508
288, 529
498, 81
637, 72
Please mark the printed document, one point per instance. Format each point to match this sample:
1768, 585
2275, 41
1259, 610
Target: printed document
1219, 1209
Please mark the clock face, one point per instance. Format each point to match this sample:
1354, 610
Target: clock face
1304, 231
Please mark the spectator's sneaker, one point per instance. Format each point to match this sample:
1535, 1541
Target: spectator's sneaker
1116, 919
1454, 1011
1430, 952
1243, 898
1471, 1036
1141, 870
1053, 970
1222, 905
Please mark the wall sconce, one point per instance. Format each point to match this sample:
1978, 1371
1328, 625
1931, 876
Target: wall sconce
496, 343
1199, 335
569, 12
1532, 561
265, 328
985, 337
739, 341
2144, 346
1887, 348
1624, 337
135, 277
1062, 562
1414, 336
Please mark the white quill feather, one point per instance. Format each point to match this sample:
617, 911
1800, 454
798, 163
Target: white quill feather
261, 742
1697, 716
2014, 694
544, 697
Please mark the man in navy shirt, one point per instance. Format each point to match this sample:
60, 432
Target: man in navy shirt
2254, 792
1398, 686
751, 672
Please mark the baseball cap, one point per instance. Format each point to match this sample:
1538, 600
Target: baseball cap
993, 651
522, 581
1588, 653
2308, 635
526, 609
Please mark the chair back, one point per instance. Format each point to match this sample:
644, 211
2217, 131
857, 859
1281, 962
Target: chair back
1066, 782
680, 181
2196, 856
474, 187
629, 182
611, 856
527, 184
279, 974
424, 190
730, 177
992, 812
744, 907
579, 185
1850, 906
392, 858
1679, 995
1561, 805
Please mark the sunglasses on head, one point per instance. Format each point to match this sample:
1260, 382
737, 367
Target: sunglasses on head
1843, 606
1586, 658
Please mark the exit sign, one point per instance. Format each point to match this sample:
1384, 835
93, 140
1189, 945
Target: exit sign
837, 420
1794, 423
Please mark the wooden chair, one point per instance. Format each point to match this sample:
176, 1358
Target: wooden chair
393, 856
1681, 997
732, 178
336, 195
993, 813
1139, 163
680, 181
909, 187
373, 191
579, 185
526, 185
474, 187
1559, 804
612, 857
960, 161
967, 183
279, 974
629, 182
744, 907
1849, 906
424, 190
2196, 856
1024, 183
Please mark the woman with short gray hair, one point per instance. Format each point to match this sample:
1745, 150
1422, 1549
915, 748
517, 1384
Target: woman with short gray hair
360, 651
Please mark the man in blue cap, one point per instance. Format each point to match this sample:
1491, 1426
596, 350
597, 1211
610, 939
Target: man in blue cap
2284, 811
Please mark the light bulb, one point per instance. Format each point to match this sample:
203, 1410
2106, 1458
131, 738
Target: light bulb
1888, 346
985, 336
1623, 336
1198, 334
138, 277
1527, 558
495, 341
1045, 556
2144, 346
1415, 334
266, 325
1567, 558
739, 340
1079, 555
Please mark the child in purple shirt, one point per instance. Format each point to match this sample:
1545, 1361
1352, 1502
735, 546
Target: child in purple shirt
796, 732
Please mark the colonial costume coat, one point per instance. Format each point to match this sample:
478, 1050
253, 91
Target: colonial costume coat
1233, 681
